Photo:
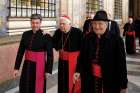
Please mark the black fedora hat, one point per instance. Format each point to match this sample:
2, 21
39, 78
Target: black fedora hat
101, 15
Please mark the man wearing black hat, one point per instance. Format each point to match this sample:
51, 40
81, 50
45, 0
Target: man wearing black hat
102, 61
38, 58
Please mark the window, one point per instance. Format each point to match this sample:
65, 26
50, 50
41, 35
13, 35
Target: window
93, 6
24, 8
118, 9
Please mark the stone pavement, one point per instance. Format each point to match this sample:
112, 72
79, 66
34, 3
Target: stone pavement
133, 66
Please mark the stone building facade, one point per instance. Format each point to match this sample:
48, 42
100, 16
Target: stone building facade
14, 16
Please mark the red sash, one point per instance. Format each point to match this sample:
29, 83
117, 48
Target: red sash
39, 58
71, 57
96, 70
77, 86
130, 33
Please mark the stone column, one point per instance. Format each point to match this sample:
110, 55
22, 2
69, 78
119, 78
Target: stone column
78, 12
125, 12
3, 17
109, 7
63, 7
76, 9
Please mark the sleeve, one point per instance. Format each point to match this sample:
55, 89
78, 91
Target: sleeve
56, 40
80, 60
125, 28
122, 63
20, 53
117, 28
55, 37
49, 49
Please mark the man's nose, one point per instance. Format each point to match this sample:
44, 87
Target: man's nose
61, 25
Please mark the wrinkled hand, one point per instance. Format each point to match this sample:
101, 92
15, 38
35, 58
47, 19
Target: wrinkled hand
75, 77
47, 75
124, 91
15, 73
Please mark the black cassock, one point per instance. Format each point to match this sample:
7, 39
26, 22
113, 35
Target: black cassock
38, 61
102, 63
130, 39
68, 45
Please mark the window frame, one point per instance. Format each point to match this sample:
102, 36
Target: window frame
21, 9
118, 9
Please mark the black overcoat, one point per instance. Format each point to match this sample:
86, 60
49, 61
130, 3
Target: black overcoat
112, 59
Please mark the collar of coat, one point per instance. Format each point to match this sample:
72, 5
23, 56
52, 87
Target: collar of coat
106, 35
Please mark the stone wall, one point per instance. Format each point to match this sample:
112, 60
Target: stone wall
76, 9
7, 59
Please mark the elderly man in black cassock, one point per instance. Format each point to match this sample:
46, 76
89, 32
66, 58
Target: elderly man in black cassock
130, 36
67, 41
